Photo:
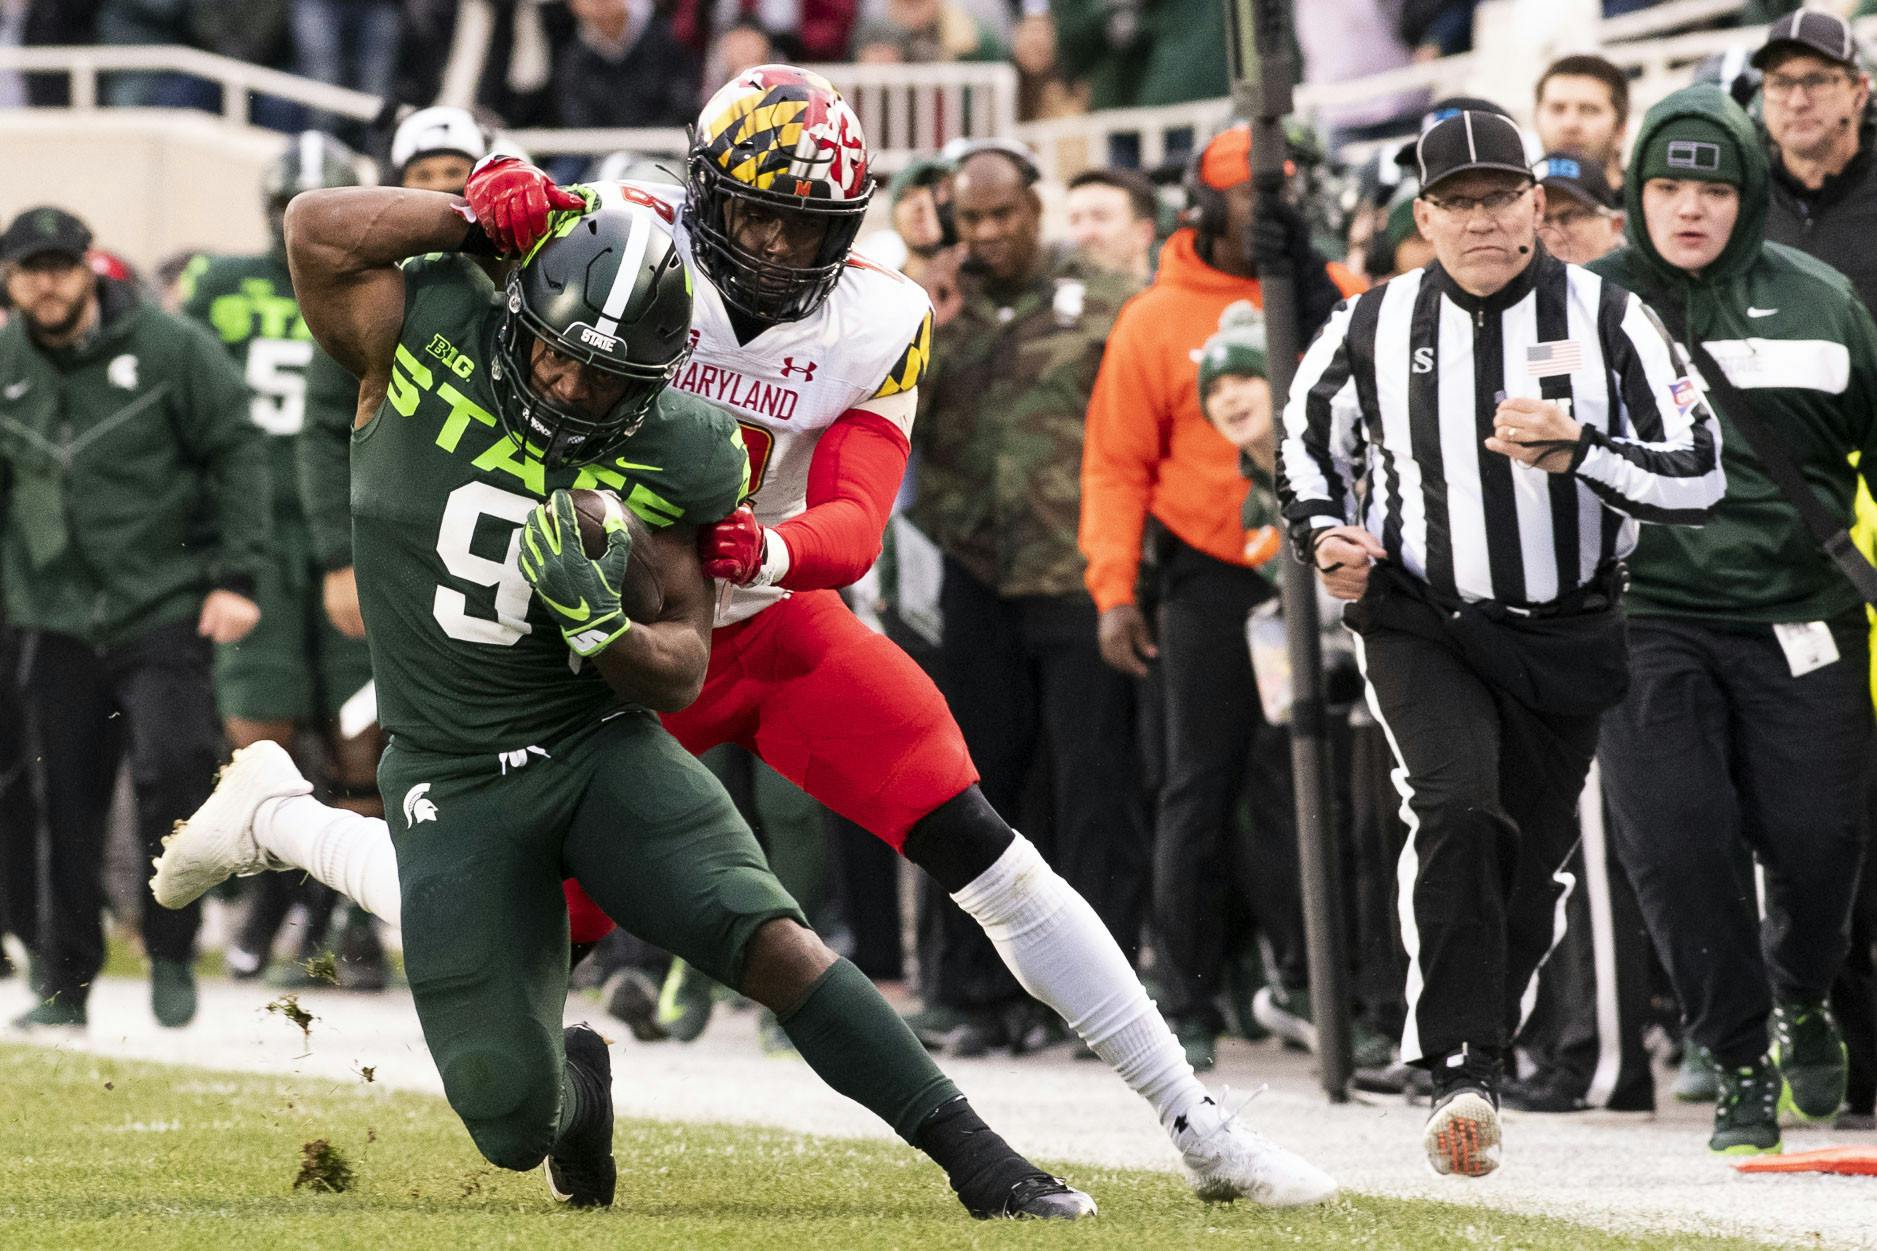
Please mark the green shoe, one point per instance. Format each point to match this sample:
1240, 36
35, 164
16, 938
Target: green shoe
172, 993
1746, 1116
1199, 1040
57, 1012
1369, 1048
1809, 1050
1697, 1081
684, 1002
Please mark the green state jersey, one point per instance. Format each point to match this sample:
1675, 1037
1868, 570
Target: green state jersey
466, 661
248, 303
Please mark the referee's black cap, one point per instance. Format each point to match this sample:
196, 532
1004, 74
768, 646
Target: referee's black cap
1470, 140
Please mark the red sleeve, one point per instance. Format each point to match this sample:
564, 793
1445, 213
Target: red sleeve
853, 479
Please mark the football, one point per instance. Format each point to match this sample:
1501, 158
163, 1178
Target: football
641, 596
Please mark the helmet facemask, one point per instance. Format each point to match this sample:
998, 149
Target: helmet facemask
758, 286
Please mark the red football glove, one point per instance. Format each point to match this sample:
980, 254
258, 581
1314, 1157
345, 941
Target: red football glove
512, 199
732, 549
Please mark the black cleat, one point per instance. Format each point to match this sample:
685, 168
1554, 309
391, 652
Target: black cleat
1039, 1197
631, 996
581, 1172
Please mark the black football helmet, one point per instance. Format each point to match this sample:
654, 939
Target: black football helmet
607, 289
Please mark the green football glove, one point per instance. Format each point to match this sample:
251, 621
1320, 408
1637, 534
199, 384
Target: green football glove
582, 593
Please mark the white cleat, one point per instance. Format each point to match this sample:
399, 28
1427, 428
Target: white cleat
217, 841
1225, 1160
1462, 1135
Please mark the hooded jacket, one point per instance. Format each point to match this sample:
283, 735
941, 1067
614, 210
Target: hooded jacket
1148, 448
1791, 333
131, 478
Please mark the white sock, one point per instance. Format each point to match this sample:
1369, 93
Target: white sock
1063, 955
348, 852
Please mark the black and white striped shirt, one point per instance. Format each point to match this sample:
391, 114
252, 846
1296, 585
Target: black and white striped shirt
1391, 406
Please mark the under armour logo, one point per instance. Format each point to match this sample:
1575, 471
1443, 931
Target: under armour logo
789, 367
417, 809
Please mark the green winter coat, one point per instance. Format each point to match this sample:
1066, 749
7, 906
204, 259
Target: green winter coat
1180, 55
131, 480
1001, 412
1791, 333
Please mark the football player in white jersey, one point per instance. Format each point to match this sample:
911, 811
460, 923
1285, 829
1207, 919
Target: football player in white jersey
818, 352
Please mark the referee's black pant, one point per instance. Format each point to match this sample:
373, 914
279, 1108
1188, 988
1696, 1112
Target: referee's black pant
1491, 785
151, 697
1719, 755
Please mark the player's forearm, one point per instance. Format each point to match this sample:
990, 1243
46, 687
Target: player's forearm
852, 481
658, 664
346, 231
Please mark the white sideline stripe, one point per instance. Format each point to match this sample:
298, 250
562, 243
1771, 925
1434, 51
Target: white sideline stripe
628, 275
1602, 941
1407, 868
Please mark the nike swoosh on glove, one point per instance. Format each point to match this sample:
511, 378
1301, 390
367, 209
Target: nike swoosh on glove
582, 594
514, 203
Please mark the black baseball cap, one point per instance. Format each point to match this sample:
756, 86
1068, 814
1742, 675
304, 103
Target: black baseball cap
38, 231
1575, 176
1809, 30
1439, 112
1471, 139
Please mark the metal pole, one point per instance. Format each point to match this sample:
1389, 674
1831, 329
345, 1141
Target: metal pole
1262, 29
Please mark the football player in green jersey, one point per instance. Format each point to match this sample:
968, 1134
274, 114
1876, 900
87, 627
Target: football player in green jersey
297, 669
520, 698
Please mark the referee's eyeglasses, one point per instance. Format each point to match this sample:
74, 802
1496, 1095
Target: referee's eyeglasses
1494, 202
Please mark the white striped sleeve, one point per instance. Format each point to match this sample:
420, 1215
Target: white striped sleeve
1321, 437
1674, 476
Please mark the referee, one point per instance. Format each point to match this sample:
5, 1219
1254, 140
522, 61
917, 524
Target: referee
1493, 425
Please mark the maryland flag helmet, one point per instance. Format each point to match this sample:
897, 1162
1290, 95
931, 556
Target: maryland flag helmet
778, 142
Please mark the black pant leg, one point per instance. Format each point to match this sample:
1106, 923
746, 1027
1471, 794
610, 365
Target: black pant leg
1089, 714
1443, 726
1543, 760
986, 678
1210, 703
162, 683
19, 804
1378, 834
70, 711
1801, 752
1666, 761
1854, 996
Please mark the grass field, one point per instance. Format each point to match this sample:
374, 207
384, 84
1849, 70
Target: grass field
97, 1152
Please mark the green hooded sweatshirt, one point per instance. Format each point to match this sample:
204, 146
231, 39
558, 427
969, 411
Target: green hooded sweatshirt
131, 480
1792, 334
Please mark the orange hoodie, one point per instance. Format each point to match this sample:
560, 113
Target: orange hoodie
1148, 447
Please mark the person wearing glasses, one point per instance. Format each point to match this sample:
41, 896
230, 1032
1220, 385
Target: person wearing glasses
1466, 452
1819, 129
1582, 220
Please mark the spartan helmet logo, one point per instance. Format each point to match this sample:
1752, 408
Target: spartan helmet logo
417, 809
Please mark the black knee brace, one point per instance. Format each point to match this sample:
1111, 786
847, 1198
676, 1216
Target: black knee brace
959, 839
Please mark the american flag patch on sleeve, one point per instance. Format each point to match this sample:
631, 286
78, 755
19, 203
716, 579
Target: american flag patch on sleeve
1548, 360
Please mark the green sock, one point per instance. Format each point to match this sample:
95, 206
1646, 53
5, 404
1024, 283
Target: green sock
857, 1044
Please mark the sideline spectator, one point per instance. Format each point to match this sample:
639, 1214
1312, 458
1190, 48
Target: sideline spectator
624, 67
916, 32
349, 43
1114, 217
999, 439
1819, 121
803, 30
1581, 105
1486, 616
1136, 53
121, 423
435, 148
743, 45
1582, 220
1816, 105
1150, 453
1747, 727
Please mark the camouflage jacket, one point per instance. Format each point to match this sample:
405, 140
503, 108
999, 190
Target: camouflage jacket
999, 431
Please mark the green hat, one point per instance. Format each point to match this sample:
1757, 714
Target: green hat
1698, 148
1237, 348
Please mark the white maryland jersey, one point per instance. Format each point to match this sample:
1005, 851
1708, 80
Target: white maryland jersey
865, 347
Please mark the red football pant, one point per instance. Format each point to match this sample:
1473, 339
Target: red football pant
832, 706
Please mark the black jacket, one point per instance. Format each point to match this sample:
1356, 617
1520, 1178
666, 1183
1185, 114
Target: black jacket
1837, 223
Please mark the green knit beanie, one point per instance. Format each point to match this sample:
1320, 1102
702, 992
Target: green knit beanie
1695, 148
